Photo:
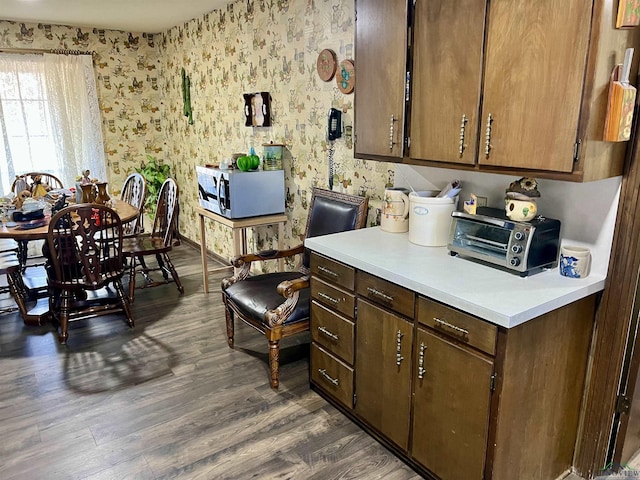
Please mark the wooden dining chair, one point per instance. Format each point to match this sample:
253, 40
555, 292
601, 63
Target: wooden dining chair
134, 192
157, 244
277, 304
85, 255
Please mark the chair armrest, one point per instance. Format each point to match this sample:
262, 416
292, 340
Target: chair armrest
290, 289
243, 262
266, 255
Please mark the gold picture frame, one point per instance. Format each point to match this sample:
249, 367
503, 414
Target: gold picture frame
628, 14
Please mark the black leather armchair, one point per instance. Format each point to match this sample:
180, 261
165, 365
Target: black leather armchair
277, 304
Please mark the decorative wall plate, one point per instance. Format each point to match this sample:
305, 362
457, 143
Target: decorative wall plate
326, 64
346, 76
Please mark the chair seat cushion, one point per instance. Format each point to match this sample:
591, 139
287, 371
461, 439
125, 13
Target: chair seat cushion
256, 295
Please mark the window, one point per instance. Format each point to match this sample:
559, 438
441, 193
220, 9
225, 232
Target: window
49, 117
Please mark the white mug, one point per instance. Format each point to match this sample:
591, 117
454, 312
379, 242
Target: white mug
395, 210
575, 262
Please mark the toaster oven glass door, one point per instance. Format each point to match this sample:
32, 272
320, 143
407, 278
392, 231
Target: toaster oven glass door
485, 239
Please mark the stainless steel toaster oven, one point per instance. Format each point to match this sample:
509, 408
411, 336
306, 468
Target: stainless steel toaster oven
490, 237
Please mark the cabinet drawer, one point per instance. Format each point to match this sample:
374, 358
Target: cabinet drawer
386, 293
333, 332
332, 271
333, 297
462, 327
334, 376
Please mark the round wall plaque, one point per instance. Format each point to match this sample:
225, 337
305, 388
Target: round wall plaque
346, 76
326, 64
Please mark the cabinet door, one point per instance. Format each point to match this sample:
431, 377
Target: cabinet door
535, 64
380, 55
383, 371
445, 95
451, 408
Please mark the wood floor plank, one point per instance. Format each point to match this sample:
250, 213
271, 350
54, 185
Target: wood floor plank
170, 399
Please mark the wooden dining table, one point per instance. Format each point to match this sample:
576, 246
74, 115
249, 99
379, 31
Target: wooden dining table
22, 231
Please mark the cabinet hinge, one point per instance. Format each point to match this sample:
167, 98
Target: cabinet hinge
355, 138
408, 142
355, 311
577, 147
355, 399
492, 382
623, 404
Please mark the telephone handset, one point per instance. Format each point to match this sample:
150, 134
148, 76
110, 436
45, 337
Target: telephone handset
335, 124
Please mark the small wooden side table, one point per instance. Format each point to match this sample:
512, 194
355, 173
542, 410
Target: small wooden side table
238, 230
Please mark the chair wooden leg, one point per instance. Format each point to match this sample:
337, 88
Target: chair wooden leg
163, 268
124, 301
17, 289
132, 279
228, 315
174, 273
65, 304
274, 362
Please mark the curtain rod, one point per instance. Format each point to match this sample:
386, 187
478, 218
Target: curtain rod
43, 51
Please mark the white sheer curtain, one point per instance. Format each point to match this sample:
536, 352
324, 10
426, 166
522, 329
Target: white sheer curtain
49, 117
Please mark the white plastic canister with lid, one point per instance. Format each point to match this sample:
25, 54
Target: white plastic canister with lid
430, 218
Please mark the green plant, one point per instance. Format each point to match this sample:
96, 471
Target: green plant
154, 173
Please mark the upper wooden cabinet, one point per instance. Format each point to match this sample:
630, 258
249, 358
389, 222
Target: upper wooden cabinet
507, 86
447, 69
381, 56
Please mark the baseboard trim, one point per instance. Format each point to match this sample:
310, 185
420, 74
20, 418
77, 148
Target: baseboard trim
212, 255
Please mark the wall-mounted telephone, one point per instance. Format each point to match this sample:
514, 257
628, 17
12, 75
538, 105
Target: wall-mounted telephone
335, 124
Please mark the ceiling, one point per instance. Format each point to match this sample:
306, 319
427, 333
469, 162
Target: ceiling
151, 16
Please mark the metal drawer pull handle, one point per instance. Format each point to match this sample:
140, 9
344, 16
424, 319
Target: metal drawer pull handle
399, 357
421, 369
327, 271
452, 327
463, 128
378, 293
327, 297
324, 373
391, 129
328, 333
487, 136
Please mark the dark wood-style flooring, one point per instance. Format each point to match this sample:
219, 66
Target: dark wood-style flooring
169, 399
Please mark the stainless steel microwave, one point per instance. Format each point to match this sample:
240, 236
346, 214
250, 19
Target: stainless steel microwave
237, 194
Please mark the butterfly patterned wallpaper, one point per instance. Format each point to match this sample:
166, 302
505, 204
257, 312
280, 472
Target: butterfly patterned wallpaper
261, 46
126, 66
248, 46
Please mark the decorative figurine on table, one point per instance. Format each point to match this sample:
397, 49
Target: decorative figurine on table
520, 200
60, 203
85, 178
39, 189
20, 198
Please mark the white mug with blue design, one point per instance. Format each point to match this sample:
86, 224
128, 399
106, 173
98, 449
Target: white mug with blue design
575, 262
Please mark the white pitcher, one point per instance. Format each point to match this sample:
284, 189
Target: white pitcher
395, 210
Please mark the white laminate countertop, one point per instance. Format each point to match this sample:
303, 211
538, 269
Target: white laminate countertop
500, 297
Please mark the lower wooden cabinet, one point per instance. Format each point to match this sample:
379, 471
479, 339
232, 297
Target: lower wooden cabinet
383, 362
452, 392
457, 397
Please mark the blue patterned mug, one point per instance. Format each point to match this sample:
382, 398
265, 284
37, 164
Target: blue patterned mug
575, 262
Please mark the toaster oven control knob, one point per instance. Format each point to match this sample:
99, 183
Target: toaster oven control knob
520, 236
515, 261
516, 248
